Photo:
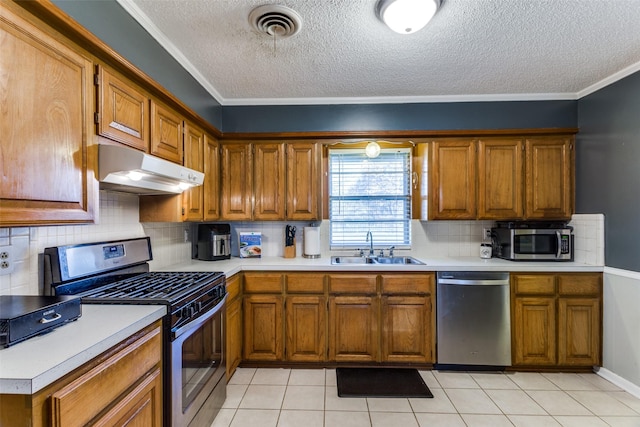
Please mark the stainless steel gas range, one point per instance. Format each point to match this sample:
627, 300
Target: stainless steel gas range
117, 272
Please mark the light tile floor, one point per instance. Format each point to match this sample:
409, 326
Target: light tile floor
309, 398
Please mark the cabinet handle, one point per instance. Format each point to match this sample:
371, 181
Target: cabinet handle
53, 319
414, 180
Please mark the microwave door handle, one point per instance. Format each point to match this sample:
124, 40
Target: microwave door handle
559, 237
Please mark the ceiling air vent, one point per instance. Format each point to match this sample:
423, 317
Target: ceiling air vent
274, 20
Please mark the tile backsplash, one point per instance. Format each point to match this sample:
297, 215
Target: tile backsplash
171, 242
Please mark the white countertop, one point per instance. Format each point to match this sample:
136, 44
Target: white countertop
235, 265
31, 365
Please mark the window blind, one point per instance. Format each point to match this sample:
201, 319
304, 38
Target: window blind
370, 194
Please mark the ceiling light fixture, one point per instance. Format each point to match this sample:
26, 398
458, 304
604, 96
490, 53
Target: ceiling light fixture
407, 16
372, 150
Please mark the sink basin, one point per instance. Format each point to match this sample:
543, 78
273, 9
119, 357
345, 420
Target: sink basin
402, 260
351, 260
397, 260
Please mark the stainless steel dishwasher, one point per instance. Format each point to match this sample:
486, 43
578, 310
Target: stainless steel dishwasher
474, 322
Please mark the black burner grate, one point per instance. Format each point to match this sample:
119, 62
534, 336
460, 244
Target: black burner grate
167, 287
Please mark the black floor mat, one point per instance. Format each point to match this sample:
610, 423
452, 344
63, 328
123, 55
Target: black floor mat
381, 382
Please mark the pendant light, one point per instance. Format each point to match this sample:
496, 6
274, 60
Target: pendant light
407, 16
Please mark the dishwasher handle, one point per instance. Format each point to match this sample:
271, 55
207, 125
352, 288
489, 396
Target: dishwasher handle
473, 282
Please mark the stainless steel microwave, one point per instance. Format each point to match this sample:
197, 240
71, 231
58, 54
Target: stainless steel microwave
532, 241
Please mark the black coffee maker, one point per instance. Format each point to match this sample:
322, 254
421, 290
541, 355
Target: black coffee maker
214, 242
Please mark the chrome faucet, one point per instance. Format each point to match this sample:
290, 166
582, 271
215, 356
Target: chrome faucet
370, 240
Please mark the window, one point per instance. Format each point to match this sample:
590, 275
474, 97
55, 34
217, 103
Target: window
370, 194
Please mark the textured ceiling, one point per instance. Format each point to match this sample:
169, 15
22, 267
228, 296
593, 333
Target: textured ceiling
472, 50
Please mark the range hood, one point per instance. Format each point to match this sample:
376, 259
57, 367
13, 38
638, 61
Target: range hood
127, 170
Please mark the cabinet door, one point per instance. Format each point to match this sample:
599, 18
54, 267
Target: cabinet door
303, 181
269, 180
110, 383
140, 407
193, 198
123, 111
406, 333
237, 181
263, 328
452, 183
353, 328
234, 336
306, 327
211, 186
534, 331
579, 327
48, 165
500, 179
549, 178
166, 133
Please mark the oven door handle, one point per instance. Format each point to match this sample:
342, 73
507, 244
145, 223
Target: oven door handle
198, 320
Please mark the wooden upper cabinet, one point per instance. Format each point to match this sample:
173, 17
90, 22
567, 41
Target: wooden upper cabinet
194, 141
303, 181
236, 182
269, 181
452, 186
166, 132
211, 199
123, 110
500, 178
549, 178
48, 167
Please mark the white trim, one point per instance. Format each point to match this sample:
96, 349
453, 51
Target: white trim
136, 13
626, 385
623, 273
609, 80
402, 99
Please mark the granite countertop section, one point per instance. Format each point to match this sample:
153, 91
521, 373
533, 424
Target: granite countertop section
31, 365
236, 265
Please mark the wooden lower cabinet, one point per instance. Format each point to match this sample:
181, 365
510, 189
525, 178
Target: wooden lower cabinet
233, 338
579, 331
306, 325
534, 331
406, 331
122, 387
353, 328
557, 319
263, 336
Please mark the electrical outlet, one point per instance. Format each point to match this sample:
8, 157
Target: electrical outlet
486, 233
6, 260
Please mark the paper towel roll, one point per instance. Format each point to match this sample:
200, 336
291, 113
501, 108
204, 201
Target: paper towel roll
311, 242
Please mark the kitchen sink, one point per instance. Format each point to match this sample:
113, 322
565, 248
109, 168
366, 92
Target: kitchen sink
371, 260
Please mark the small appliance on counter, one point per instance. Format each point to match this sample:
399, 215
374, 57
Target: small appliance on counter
25, 316
533, 240
214, 242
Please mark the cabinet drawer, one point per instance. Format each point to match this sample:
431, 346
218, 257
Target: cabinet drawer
312, 283
407, 283
352, 284
102, 385
233, 287
263, 283
534, 284
580, 284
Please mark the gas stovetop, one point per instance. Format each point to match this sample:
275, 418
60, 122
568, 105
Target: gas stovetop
168, 288
117, 272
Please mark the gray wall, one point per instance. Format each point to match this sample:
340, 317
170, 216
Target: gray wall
608, 167
434, 116
108, 21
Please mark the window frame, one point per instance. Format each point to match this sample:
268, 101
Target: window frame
408, 199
